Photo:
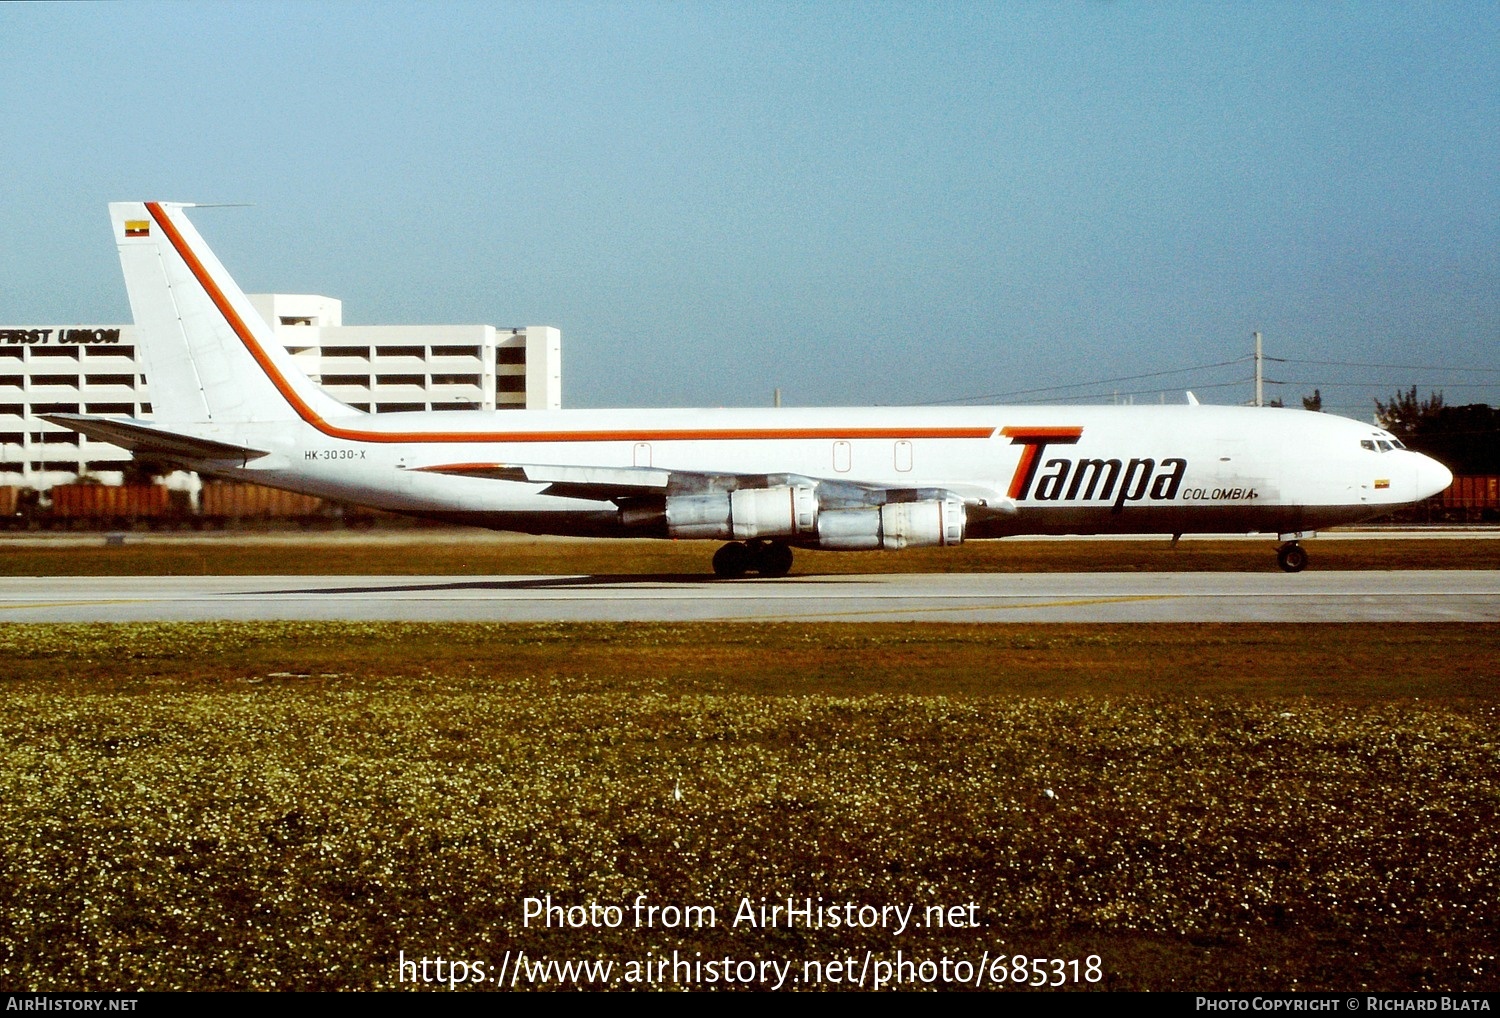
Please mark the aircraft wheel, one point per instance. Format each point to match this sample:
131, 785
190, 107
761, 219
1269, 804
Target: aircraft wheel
1292, 557
773, 559
732, 561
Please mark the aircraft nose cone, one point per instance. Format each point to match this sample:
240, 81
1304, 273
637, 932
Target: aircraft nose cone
1432, 476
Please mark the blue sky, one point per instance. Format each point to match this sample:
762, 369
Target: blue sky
857, 203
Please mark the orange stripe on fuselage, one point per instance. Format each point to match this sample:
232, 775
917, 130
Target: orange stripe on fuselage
1048, 433
1032, 441
662, 435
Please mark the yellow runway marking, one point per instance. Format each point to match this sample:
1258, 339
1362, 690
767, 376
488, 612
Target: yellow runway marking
1074, 603
71, 604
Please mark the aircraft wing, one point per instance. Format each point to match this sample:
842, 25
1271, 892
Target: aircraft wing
599, 483
625, 484
151, 440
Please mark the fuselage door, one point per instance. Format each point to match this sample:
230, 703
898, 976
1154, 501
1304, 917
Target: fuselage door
903, 455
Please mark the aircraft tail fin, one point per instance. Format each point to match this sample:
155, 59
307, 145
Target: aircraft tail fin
208, 354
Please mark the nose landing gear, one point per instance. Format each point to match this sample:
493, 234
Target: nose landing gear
768, 558
1292, 557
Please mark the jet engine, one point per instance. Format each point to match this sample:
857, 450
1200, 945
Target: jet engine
894, 525
782, 511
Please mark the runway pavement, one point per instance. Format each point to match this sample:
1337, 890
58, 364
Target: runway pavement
1405, 596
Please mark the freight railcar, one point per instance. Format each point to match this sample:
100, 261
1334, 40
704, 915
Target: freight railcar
219, 504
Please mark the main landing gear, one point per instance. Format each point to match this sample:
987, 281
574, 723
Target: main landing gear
767, 558
1292, 557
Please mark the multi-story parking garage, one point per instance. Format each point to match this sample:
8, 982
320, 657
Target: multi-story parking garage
95, 369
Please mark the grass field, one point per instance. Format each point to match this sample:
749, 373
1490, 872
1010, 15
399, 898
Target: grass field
470, 552
1202, 807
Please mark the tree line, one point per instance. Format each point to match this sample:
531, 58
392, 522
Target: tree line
1466, 439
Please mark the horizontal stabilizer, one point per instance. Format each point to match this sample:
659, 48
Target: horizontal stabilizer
150, 440
598, 483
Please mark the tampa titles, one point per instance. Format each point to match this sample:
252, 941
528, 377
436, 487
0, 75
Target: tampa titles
1087, 479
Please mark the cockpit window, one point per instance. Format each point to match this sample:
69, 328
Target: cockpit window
1384, 446
1367, 444
1397, 443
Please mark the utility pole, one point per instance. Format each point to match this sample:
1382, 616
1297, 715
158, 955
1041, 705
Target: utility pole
1260, 374
776, 398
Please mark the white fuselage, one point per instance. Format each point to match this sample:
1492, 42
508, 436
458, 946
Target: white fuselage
1045, 470
231, 401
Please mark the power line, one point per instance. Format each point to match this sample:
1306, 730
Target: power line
1134, 392
1374, 385
1085, 385
1399, 367
1068, 392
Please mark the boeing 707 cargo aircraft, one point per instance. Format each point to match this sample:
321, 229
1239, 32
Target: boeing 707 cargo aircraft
229, 401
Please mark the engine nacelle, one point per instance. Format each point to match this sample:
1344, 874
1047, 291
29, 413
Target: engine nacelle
893, 526
784, 511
